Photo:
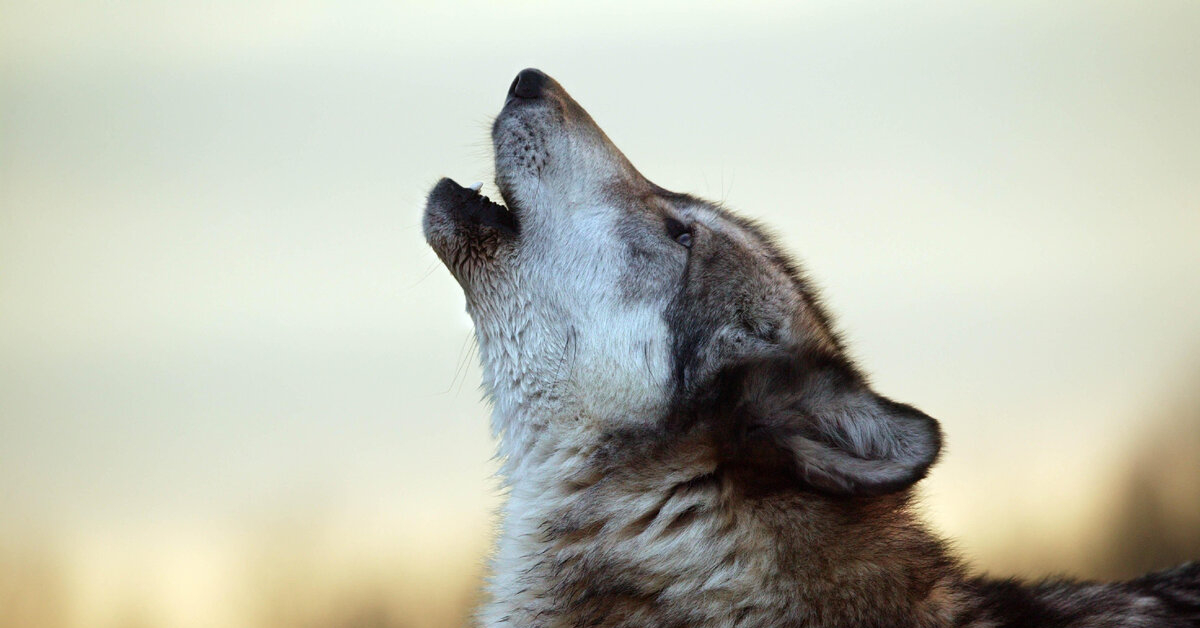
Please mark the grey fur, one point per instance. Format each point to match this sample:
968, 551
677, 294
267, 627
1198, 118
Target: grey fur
685, 441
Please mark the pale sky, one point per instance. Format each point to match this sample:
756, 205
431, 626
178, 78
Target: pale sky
216, 305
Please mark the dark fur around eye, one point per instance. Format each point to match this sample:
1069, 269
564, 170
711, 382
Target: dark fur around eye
679, 232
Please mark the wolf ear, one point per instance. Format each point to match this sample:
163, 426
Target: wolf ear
819, 418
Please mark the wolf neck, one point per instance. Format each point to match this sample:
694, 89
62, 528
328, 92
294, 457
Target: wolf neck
514, 351
617, 516
546, 398
526, 419
634, 525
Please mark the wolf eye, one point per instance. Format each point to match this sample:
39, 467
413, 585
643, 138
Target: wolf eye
679, 232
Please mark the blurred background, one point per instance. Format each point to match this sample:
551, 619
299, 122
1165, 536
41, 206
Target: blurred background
238, 390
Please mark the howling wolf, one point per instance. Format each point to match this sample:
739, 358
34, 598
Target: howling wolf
684, 439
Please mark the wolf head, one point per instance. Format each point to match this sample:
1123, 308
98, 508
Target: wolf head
603, 302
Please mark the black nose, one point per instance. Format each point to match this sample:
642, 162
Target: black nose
528, 84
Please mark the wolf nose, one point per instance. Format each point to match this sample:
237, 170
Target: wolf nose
528, 84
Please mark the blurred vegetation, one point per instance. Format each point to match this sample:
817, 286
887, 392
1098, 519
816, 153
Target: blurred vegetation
33, 593
1155, 520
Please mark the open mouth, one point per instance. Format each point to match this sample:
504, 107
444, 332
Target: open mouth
468, 205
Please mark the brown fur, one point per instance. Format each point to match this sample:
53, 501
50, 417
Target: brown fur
698, 450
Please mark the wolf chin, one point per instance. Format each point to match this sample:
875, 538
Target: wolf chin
685, 441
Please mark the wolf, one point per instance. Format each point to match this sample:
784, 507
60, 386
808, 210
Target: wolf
684, 439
